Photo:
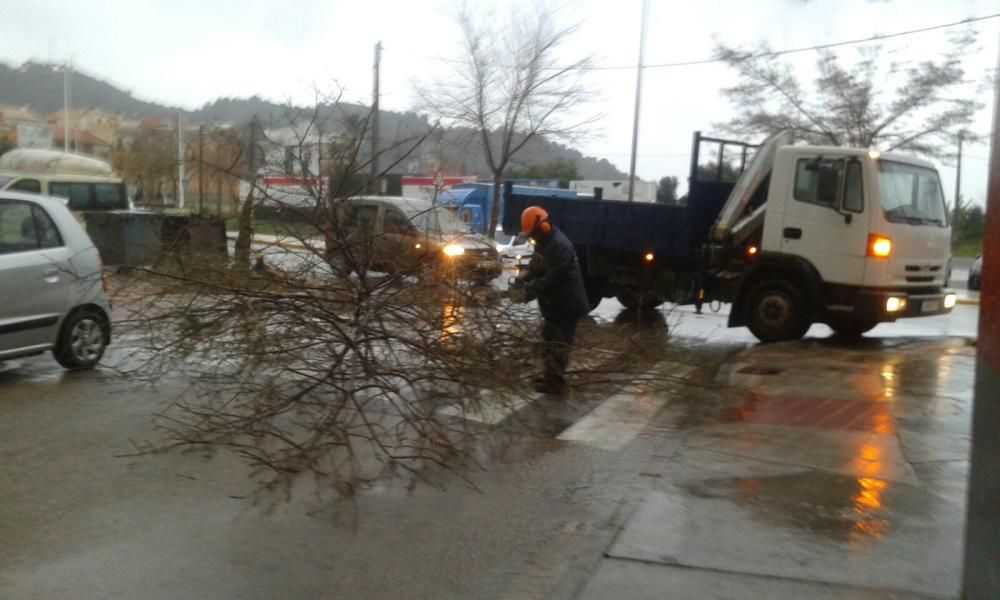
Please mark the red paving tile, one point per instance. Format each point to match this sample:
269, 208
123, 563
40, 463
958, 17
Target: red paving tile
823, 413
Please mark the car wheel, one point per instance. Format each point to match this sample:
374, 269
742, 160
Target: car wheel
851, 326
776, 312
974, 284
82, 340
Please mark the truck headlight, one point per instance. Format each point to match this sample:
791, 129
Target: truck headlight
453, 250
894, 304
950, 300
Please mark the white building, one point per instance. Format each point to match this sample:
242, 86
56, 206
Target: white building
645, 191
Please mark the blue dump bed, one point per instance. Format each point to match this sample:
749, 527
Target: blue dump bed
677, 231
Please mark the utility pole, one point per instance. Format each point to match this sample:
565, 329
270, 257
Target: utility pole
958, 183
201, 169
638, 99
66, 107
180, 163
981, 577
375, 98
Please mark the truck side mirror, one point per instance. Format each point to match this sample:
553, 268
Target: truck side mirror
827, 186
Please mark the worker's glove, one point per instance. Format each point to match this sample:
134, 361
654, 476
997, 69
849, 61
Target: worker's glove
519, 291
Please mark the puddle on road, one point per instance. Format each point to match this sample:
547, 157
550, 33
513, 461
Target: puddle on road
851, 509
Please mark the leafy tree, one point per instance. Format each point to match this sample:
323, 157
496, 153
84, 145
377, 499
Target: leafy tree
710, 171
968, 226
5, 145
666, 190
561, 169
917, 107
510, 85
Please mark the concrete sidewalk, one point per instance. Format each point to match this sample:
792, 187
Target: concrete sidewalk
825, 470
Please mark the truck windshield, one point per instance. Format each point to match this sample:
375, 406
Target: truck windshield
911, 194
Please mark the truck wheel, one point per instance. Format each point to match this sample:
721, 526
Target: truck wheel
633, 299
594, 293
776, 312
851, 326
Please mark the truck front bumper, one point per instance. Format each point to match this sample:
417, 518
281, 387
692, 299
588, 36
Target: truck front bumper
889, 305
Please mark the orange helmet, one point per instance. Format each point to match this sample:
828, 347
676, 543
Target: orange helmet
534, 216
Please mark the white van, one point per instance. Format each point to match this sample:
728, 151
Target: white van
83, 183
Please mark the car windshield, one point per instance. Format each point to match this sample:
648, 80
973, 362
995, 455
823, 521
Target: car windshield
911, 194
503, 238
436, 221
4, 180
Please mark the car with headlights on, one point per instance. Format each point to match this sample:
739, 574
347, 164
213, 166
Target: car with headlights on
514, 249
52, 293
410, 235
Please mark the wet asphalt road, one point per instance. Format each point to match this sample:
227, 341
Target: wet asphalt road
83, 519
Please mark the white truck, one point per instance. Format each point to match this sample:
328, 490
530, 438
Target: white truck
806, 234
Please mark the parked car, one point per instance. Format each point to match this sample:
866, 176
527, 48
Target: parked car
411, 234
52, 293
513, 249
976, 273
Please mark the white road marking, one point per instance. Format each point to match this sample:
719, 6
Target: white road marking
488, 409
618, 420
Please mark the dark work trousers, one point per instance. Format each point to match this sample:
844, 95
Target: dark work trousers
557, 341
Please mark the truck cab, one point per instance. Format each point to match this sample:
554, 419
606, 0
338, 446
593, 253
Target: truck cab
850, 237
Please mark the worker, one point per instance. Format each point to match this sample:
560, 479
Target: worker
554, 278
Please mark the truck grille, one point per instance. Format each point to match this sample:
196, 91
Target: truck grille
922, 273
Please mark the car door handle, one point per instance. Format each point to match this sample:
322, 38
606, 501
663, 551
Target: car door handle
51, 275
793, 233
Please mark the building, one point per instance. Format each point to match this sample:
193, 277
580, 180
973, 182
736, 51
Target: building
645, 191
24, 128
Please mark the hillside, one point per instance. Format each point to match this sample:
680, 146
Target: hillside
40, 87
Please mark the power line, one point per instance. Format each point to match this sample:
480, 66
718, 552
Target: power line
707, 61
874, 38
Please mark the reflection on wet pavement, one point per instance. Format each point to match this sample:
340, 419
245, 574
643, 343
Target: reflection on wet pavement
821, 461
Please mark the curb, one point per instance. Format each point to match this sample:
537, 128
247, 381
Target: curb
967, 301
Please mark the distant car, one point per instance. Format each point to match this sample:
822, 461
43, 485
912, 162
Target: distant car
976, 273
408, 234
513, 249
52, 293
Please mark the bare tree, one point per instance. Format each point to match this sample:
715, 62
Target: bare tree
917, 107
511, 84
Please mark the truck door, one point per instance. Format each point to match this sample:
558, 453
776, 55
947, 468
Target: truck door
824, 219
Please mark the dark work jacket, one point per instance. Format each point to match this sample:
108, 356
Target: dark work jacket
554, 277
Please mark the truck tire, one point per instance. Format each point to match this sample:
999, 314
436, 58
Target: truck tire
776, 311
595, 294
851, 326
633, 299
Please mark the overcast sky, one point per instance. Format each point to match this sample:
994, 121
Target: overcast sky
187, 53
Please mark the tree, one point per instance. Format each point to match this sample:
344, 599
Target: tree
561, 169
872, 103
666, 190
510, 85
5, 145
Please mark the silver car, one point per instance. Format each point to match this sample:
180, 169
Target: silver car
51, 284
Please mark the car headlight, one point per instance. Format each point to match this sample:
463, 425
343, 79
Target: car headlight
453, 250
499, 248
